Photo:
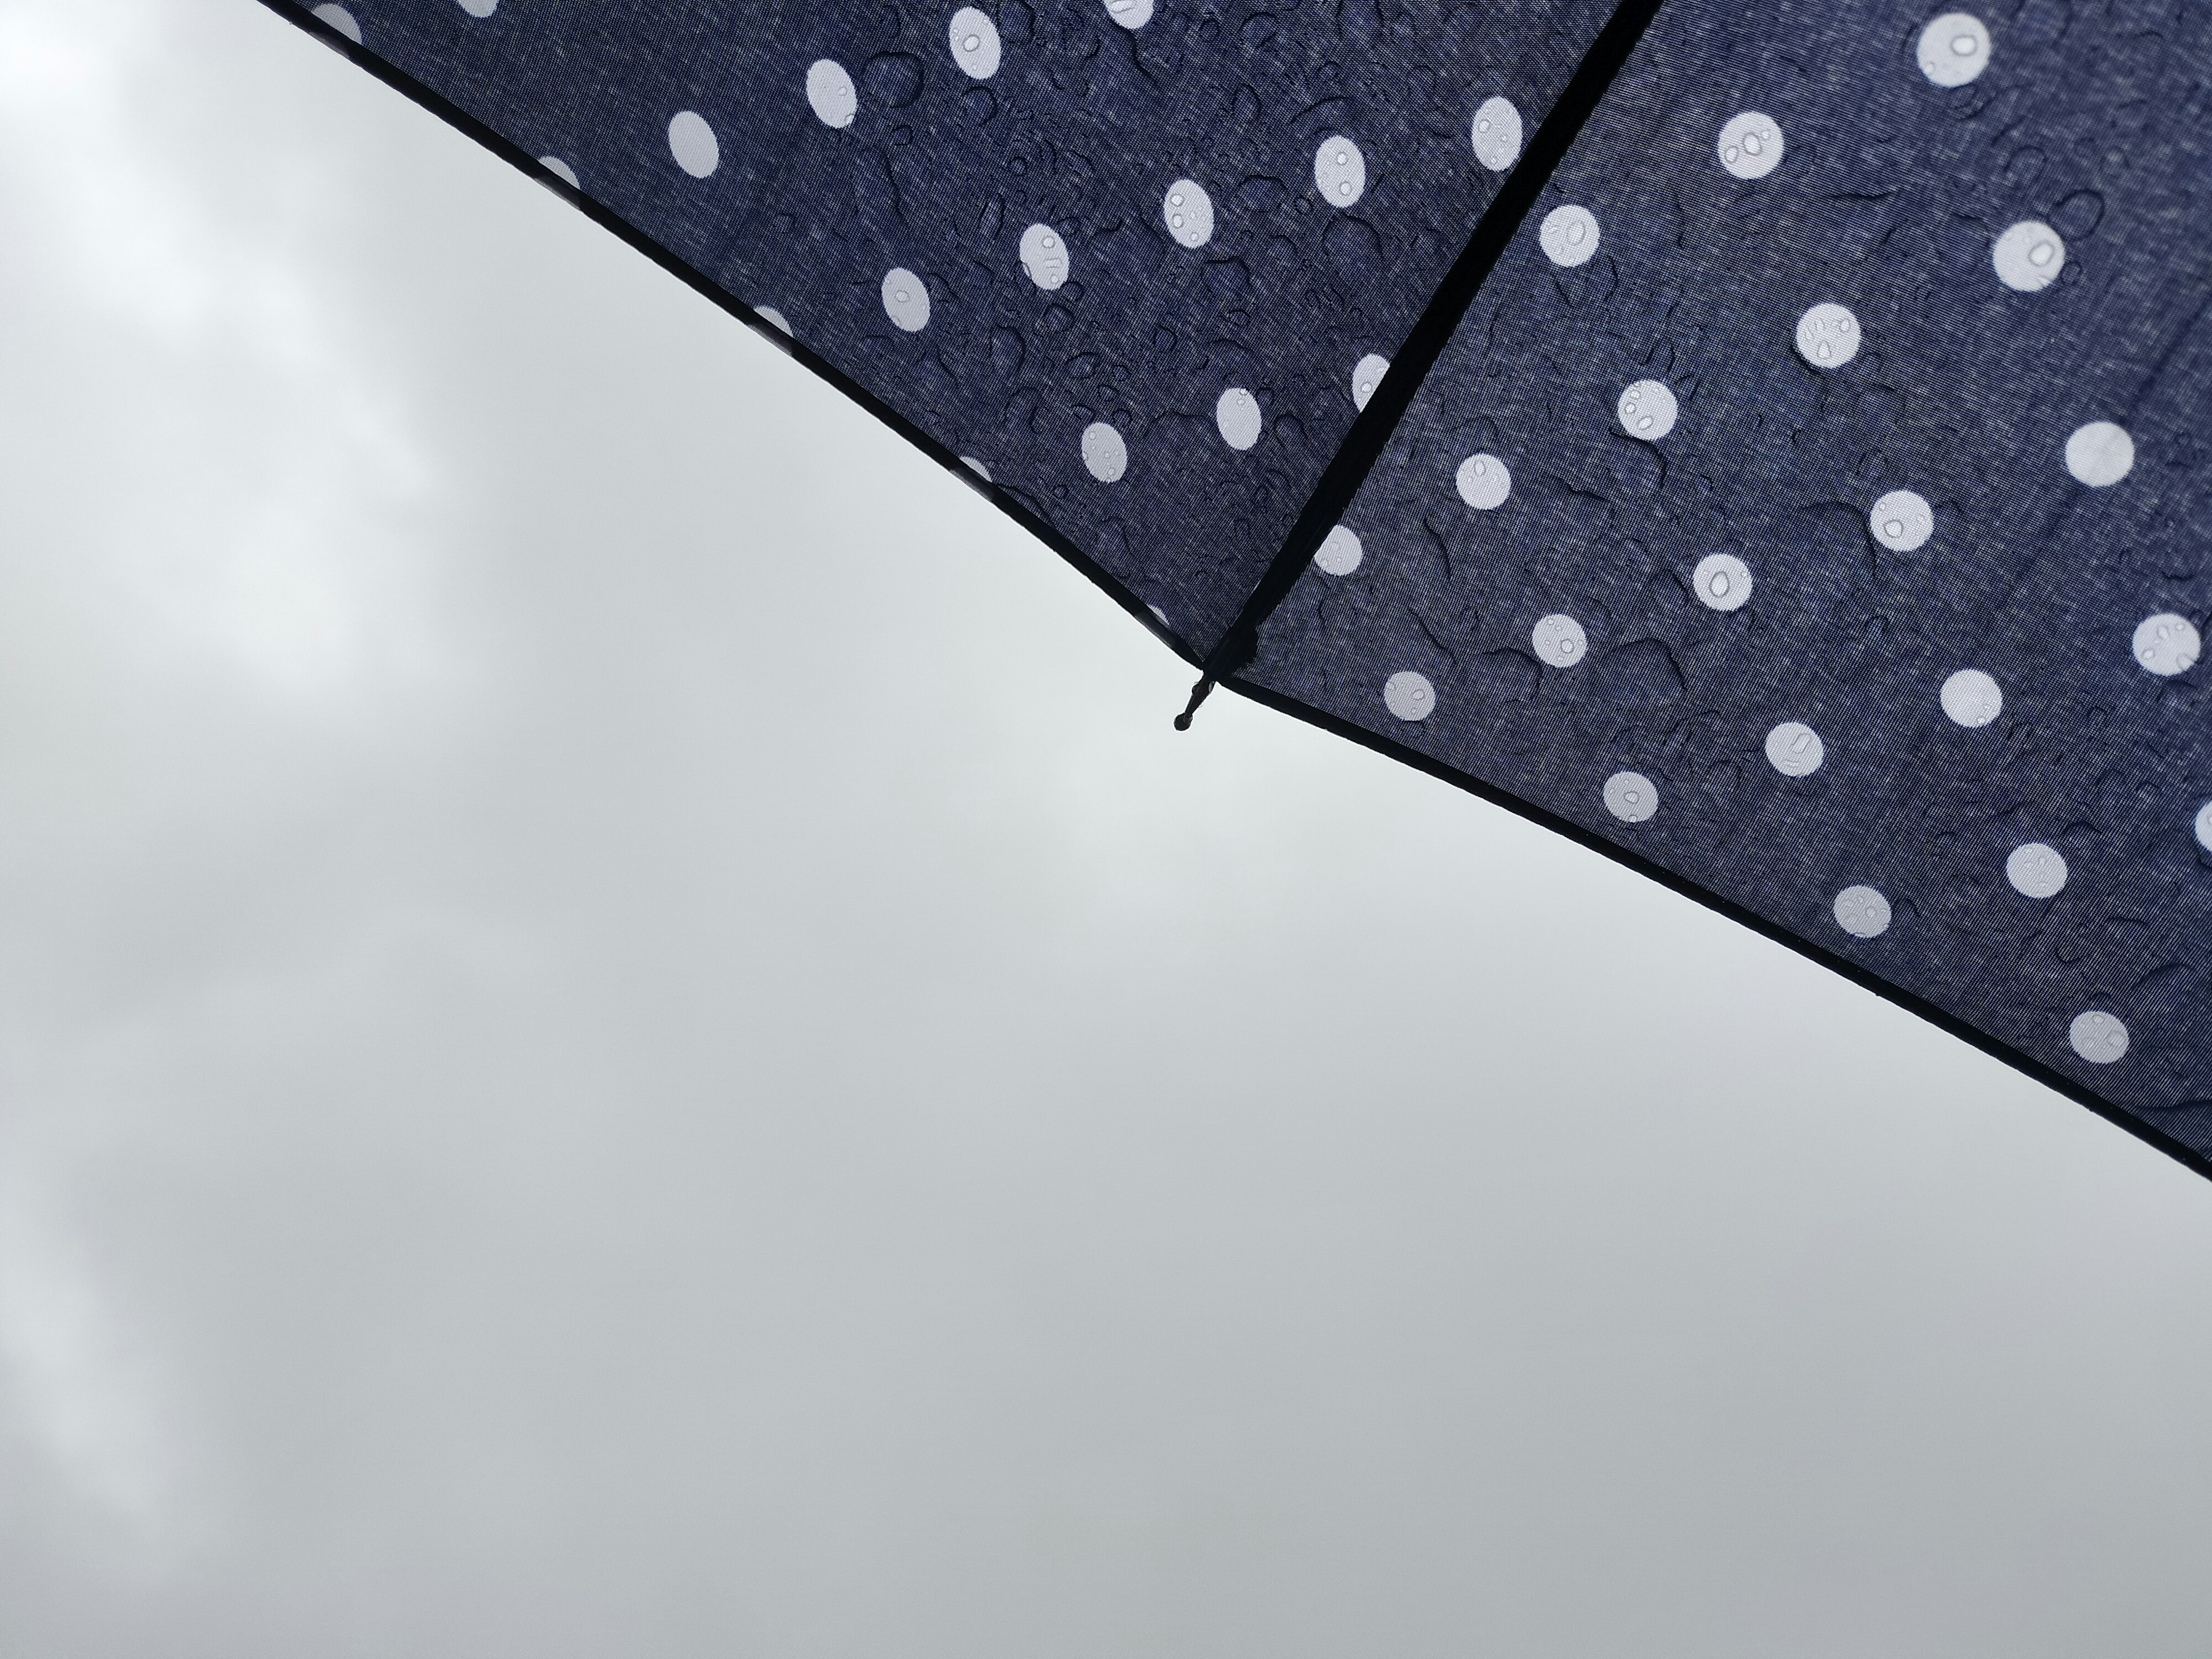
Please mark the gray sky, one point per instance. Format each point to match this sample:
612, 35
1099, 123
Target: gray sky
626, 1033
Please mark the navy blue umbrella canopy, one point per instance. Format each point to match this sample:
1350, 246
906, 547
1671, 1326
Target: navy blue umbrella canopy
1767, 443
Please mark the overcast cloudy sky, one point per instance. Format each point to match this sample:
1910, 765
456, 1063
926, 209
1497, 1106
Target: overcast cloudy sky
626, 1033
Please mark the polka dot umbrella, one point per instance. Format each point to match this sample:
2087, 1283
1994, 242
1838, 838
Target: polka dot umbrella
1764, 446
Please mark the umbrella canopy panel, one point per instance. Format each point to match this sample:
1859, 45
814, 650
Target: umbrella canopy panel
1831, 537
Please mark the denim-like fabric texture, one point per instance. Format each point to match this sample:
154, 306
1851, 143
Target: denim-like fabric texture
1893, 194
1082, 127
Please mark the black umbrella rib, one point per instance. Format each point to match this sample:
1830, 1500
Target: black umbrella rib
1394, 394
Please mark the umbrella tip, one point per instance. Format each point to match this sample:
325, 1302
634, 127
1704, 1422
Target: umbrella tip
1197, 697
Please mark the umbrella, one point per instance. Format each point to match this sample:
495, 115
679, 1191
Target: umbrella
1762, 444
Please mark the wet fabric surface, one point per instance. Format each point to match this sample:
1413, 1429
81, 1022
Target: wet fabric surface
1984, 722
1081, 126
1811, 506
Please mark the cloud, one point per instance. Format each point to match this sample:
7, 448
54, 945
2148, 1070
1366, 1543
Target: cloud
245, 478
623, 1029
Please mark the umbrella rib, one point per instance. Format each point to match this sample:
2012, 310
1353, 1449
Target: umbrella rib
1394, 393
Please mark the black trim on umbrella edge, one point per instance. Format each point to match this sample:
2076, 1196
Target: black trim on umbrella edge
453, 116
1866, 980
1418, 353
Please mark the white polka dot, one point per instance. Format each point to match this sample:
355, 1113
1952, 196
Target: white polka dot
976, 467
2166, 644
1188, 211
1340, 552
2037, 870
1559, 640
1044, 257
560, 170
1902, 520
2100, 454
1828, 335
1954, 49
1722, 582
1161, 614
1862, 912
2028, 256
1631, 797
1750, 145
479, 7
1105, 452
1497, 133
1409, 696
692, 142
2098, 1037
1340, 171
1483, 481
1794, 750
1130, 14
774, 319
906, 298
1236, 412
829, 93
974, 40
341, 20
1971, 698
1366, 374
2204, 826
1647, 410
1569, 235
